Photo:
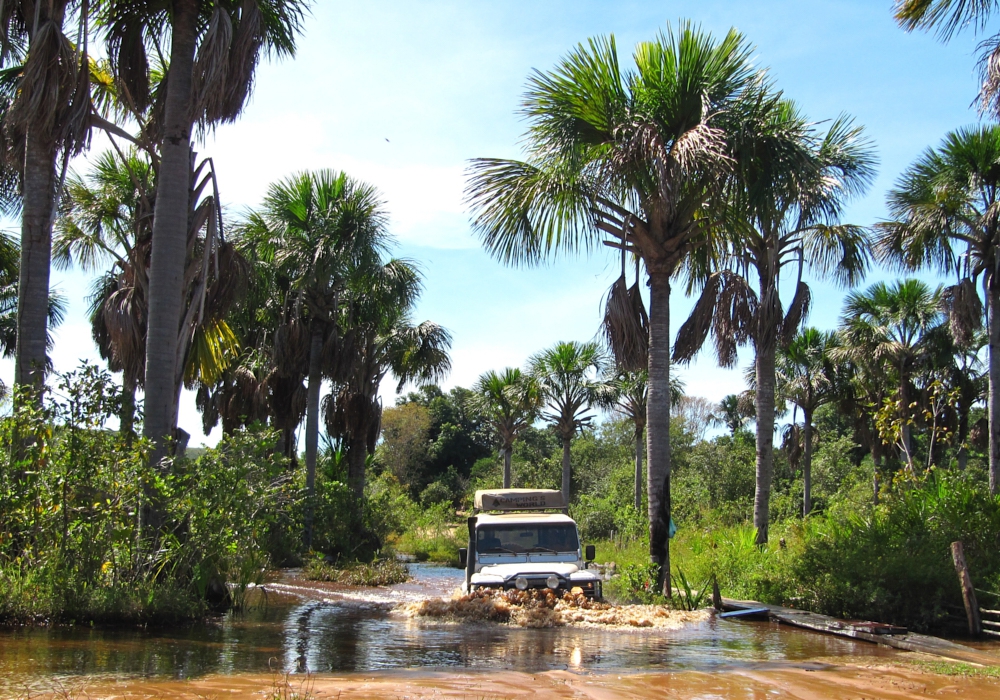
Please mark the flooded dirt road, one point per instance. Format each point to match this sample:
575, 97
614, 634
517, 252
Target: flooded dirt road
354, 643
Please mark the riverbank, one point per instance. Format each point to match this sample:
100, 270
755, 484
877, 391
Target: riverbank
811, 681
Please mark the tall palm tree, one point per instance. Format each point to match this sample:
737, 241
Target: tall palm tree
627, 393
105, 218
215, 46
508, 401
321, 228
10, 256
635, 155
733, 412
384, 340
885, 328
49, 119
804, 377
785, 197
948, 17
567, 380
943, 211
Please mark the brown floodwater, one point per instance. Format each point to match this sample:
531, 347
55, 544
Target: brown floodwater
336, 641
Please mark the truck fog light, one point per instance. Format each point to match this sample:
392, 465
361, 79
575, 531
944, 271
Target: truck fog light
521, 583
552, 581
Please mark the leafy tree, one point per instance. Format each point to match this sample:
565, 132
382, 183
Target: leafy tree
636, 155
458, 436
804, 377
943, 216
509, 402
784, 200
567, 381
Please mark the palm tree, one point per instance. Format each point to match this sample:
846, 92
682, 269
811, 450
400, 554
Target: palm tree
626, 393
804, 377
566, 375
943, 216
382, 339
885, 329
631, 154
50, 116
733, 412
214, 50
321, 229
949, 17
106, 218
508, 401
10, 255
785, 197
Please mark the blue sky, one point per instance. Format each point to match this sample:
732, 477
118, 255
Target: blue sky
402, 94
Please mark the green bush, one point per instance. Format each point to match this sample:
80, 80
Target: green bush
72, 491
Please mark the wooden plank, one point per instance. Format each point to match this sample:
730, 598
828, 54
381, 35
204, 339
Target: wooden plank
749, 613
968, 594
991, 633
994, 625
984, 611
909, 642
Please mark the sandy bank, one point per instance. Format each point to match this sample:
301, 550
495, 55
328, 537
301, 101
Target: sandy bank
804, 682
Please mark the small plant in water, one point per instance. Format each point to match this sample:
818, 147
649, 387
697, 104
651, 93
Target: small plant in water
690, 598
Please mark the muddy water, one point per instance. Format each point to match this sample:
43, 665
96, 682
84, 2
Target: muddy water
306, 628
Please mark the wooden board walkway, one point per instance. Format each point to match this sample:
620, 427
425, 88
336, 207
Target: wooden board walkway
870, 632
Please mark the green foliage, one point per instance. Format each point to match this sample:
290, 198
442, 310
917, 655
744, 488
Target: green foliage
689, 597
381, 572
433, 535
70, 545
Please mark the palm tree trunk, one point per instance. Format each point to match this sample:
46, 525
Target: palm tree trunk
994, 397
807, 464
169, 239
357, 455
36, 253
565, 470
658, 425
904, 408
312, 426
506, 466
639, 447
764, 361
127, 419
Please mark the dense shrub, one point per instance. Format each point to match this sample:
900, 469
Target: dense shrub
71, 495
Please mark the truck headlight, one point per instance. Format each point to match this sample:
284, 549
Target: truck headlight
552, 581
521, 583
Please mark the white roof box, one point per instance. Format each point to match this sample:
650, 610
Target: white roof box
519, 499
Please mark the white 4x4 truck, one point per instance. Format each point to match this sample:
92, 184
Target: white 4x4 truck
513, 543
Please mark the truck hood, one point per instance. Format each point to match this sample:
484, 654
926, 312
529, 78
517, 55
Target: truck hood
507, 571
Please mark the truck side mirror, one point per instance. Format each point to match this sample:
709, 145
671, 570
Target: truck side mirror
590, 553
463, 557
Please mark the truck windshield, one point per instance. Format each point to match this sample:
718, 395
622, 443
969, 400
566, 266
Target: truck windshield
519, 539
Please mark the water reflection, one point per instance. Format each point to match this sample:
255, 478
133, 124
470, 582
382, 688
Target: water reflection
358, 634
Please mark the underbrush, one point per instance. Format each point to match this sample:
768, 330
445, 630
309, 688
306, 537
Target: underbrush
73, 498
432, 535
381, 572
890, 563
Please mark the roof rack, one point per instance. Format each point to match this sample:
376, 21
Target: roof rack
519, 499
